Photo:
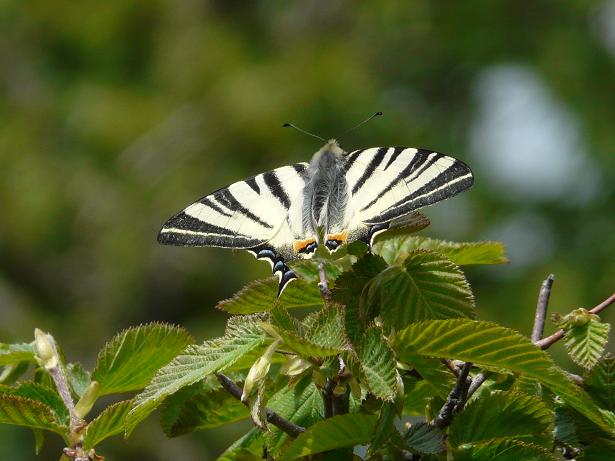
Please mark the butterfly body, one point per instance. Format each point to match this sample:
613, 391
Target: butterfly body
335, 199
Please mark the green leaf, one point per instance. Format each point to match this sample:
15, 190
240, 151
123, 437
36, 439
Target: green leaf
129, 361
337, 432
505, 451
599, 450
417, 395
378, 365
503, 416
425, 286
301, 404
11, 373
490, 345
308, 269
78, 378
243, 339
348, 291
262, 295
42, 394
325, 328
12, 354
392, 247
110, 422
585, 337
600, 382
200, 407
384, 427
299, 345
434, 372
247, 448
24, 411
425, 439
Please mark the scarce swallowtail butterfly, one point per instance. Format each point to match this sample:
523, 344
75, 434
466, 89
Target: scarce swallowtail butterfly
335, 199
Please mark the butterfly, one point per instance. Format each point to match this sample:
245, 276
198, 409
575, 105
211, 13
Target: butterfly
337, 198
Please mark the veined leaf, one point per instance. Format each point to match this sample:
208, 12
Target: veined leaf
199, 407
424, 286
508, 450
130, 360
308, 270
348, 291
490, 345
110, 422
585, 337
262, 295
425, 439
337, 432
503, 416
24, 411
301, 404
42, 394
12, 354
392, 247
418, 393
383, 431
600, 382
325, 328
78, 378
243, 338
434, 372
11, 373
378, 365
247, 448
299, 345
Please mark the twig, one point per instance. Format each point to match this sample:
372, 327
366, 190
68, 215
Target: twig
455, 400
477, 382
559, 334
541, 308
327, 396
290, 428
324, 283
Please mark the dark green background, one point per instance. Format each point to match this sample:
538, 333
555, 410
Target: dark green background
115, 115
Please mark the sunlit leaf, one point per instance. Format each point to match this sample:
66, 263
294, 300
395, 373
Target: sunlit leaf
262, 295
503, 416
337, 432
490, 345
110, 422
424, 286
78, 378
378, 365
12, 354
600, 382
24, 411
585, 337
129, 361
507, 450
42, 394
243, 339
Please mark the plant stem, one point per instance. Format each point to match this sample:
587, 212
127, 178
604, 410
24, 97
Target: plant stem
290, 428
327, 396
559, 334
324, 283
541, 308
61, 383
455, 400
477, 382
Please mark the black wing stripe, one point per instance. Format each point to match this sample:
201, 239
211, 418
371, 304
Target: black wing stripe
371, 167
186, 222
252, 183
177, 237
207, 202
276, 188
232, 203
417, 161
350, 158
396, 152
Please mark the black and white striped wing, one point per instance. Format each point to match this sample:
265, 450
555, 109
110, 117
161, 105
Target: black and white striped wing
258, 214
387, 183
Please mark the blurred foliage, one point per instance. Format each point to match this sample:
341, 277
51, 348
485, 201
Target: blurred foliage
115, 115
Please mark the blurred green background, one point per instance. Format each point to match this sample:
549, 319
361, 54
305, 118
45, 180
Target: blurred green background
115, 115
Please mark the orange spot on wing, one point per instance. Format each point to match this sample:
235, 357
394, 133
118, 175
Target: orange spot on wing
301, 245
339, 236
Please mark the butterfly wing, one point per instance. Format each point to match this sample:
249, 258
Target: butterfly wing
388, 183
258, 214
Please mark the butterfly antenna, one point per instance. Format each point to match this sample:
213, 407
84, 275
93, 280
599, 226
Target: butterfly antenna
360, 124
286, 125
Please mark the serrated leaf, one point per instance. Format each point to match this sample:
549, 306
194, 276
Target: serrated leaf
378, 365
348, 291
78, 378
503, 416
42, 394
257, 407
565, 431
384, 427
337, 432
417, 395
130, 360
308, 269
301, 404
11, 373
262, 295
425, 286
108, 423
505, 451
434, 372
24, 411
600, 382
325, 328
12, 354
585, 343
301, 346
392, 247
199, 407
244, 339
490, 345
425, 439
